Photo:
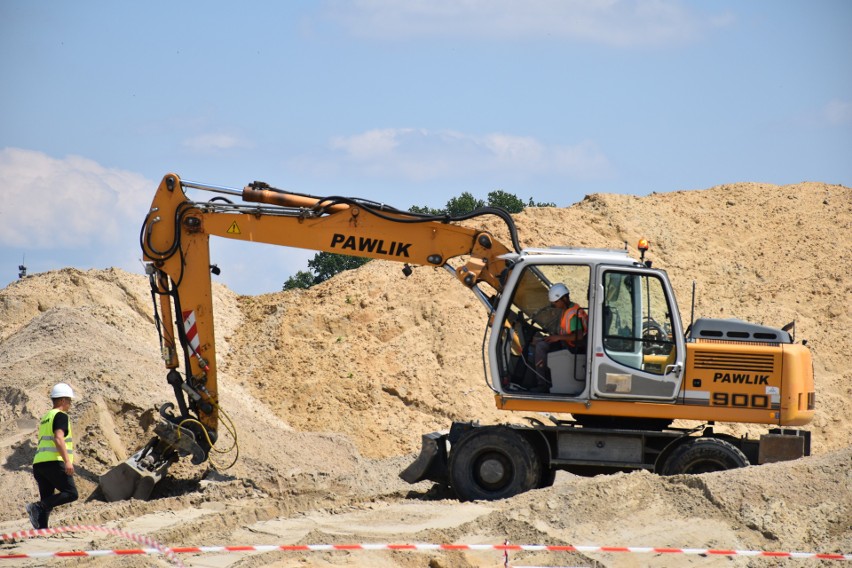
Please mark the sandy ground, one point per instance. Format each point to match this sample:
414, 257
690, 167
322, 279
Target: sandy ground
331, 388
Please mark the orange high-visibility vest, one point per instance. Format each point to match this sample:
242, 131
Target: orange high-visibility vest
573, 319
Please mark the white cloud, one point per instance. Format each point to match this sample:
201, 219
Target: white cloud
518, 149
214, 141
67, 203
75, 212
621, 23
420, 155
838, 112
373, 143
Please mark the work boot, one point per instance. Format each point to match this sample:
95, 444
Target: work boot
34, 511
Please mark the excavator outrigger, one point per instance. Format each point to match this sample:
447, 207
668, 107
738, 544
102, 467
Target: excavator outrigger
638, 372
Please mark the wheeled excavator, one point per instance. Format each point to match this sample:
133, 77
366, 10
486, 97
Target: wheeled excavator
610, 403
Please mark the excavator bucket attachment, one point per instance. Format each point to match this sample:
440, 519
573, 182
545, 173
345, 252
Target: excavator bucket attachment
431, 464
131, 479
136, 477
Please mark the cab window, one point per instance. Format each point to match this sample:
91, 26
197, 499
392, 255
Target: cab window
532, 317
531, 292
637, 321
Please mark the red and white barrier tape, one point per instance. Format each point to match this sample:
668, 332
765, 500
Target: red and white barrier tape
155, 548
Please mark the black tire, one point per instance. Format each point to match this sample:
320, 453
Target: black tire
493, 463
548, 476
703, 455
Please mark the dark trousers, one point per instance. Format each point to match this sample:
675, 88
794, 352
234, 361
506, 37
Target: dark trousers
51, 477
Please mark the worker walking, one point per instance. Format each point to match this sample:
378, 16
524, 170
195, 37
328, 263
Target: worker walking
53, 465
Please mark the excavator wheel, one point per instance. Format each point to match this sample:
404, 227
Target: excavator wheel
548, 477
493, 463
703, 455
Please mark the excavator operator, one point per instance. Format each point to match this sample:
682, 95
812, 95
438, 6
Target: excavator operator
573, 324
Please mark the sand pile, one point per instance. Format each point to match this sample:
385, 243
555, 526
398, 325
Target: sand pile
330, 389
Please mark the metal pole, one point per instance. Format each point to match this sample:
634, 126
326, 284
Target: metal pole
213, 188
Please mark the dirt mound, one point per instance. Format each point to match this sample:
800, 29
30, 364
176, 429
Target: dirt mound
330, 388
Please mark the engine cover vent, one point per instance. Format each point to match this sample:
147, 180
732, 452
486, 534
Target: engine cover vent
737, 330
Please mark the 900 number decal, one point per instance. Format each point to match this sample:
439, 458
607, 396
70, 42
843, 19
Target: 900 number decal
740, 400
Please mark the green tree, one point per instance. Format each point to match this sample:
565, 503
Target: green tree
540, 203
507, 201
426, 210
464, 203
323, 266
302, 279
327, 264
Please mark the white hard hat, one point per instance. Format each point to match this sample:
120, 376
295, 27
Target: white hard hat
61, 390
557, 291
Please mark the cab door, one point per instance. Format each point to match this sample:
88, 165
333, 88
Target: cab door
636, 339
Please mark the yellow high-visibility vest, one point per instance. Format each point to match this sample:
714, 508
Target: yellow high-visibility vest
46, 450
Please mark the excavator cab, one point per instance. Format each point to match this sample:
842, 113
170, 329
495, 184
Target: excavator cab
530, 318
634, 345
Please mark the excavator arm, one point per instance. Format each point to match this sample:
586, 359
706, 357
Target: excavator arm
175, 243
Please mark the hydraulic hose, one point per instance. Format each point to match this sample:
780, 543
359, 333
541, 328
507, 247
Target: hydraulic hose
425, 218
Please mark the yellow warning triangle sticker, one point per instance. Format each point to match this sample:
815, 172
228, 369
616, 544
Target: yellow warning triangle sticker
234, 229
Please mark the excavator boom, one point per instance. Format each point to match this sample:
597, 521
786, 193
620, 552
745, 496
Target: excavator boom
175, 242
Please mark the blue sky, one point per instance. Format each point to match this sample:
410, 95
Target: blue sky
403, 102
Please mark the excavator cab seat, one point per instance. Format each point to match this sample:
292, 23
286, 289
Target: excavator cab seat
567, 372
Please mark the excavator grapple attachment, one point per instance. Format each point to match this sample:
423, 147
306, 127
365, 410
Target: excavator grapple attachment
431, 464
